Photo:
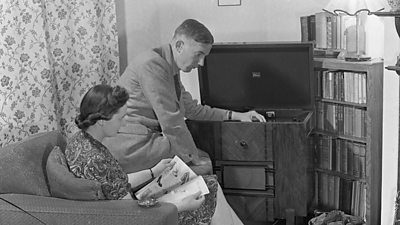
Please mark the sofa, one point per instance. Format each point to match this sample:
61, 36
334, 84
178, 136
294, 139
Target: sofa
36, 187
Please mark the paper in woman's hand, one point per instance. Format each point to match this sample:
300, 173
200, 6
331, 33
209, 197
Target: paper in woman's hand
189, 188
180, 179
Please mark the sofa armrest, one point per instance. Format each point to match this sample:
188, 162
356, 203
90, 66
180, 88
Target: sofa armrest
61, 211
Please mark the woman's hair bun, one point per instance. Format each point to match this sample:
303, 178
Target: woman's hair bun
101, 102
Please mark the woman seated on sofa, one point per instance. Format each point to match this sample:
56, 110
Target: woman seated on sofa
102, 111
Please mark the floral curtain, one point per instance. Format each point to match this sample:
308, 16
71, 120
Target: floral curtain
51, 53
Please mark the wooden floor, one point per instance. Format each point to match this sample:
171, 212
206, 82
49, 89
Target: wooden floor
299, 221
276, 222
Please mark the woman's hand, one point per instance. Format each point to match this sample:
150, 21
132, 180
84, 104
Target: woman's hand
248, 116
191, 202
161, 166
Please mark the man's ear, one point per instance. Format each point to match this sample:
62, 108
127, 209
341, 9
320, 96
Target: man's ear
179, 45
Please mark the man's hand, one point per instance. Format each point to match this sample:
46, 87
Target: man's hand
200, 161
248, 116
201, 164
202, 158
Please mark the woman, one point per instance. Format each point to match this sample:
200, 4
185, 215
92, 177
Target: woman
101, 115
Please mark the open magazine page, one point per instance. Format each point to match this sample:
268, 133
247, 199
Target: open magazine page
189, 188
171, 178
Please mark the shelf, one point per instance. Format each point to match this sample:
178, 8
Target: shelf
339, 64
341, 136
387, 14
355, 105
340, 174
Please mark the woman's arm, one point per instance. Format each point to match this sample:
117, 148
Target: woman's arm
191, 202
138, 178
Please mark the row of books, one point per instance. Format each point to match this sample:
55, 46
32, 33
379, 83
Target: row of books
333, 192
341, 119
328, 31
339, 155
343, 86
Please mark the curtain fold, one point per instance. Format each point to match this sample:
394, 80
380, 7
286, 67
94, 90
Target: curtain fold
51, 53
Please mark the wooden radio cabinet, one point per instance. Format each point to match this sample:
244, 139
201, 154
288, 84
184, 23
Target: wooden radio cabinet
264, 168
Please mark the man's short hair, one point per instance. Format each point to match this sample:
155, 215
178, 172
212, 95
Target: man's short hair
195, 30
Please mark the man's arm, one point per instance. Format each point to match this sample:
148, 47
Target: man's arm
196, 111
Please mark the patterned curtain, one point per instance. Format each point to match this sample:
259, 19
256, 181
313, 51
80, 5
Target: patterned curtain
51, 53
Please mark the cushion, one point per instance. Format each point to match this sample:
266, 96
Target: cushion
23, 164
64, 184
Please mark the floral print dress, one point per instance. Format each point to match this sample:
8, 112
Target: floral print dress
90, 159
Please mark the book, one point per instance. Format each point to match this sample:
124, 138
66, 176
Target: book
350, 157
307, 27
324, 192
356, 160
362, 160
174, 183
327, 31
331, 192
346, 195
321, 29
337, 192
311, 28
304, 28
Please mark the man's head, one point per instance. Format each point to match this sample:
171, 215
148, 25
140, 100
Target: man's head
192, 41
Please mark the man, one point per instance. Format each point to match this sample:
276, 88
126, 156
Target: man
158, 104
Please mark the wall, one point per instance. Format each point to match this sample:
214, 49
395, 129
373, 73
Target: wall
390, 120
149, 23
138, 28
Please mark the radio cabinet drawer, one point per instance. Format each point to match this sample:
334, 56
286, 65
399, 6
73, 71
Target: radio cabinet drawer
243, 141
254, 177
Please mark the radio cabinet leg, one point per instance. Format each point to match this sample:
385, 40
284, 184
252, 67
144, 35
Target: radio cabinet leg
290, 216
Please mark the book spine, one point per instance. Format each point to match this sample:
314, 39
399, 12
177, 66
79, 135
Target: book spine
362, 160
329, 32
334, 32
311, 28
320, 30
337, 193
346, 196
343, 168
304, 28
350, 157
324, 190
356, 160
331, 192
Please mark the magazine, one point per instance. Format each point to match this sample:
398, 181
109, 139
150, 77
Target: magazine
174, 183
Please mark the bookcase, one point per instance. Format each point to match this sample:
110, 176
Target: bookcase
348, 137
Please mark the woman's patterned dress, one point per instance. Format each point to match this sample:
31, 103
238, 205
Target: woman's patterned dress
90, 159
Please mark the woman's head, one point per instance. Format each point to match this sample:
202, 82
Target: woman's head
105, 104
